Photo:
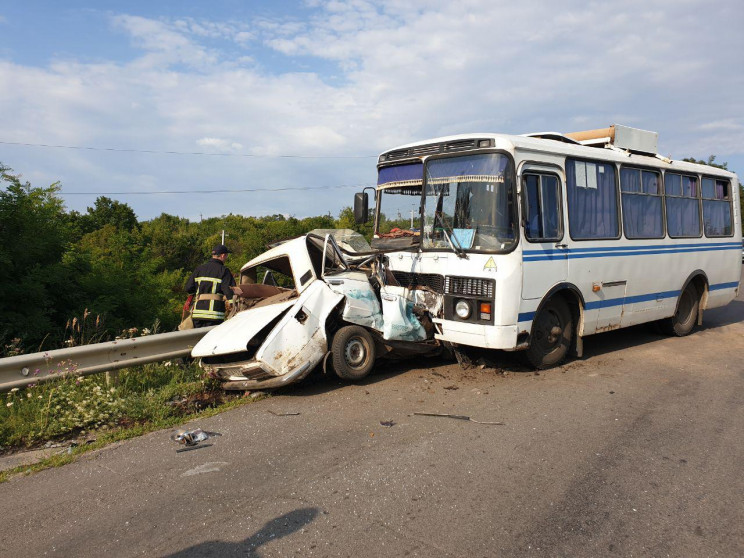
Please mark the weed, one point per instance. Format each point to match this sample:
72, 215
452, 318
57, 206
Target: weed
13, 348
150, 396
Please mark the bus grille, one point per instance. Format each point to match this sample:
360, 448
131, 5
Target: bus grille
413, 280
470, 286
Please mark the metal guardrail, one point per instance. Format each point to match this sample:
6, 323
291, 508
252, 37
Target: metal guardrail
22, 370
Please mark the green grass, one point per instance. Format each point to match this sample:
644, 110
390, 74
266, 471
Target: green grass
140, 400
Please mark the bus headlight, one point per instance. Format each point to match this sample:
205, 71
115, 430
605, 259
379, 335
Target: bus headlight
462, 309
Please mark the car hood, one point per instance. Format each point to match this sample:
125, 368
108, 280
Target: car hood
233, 335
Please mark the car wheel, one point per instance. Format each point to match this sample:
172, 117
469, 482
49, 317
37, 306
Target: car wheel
353, 352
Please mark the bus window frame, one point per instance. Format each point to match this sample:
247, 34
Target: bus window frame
618, 201
533, 169
730, 201
515, 193
661, 196
698, 198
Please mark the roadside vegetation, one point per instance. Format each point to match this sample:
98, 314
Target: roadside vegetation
71, 278
80, 413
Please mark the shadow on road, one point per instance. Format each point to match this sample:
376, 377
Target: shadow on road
732, 313
318, 382
275, 529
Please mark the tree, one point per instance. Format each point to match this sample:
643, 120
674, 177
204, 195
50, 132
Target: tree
346, 221
711, 162
33, 236
106, 212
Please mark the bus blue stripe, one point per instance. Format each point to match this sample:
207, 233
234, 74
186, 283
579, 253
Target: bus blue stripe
570, 255
593, 305
720, 286
641, 247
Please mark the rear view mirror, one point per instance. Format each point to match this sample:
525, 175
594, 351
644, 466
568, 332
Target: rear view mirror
361, 209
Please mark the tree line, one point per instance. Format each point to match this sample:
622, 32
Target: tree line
74, 277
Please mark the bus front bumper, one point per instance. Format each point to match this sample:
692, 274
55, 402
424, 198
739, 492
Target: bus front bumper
476, 335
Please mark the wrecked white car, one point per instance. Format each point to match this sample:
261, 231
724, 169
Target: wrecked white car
323, 296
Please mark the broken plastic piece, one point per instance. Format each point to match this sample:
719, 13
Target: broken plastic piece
192, 437
458, 417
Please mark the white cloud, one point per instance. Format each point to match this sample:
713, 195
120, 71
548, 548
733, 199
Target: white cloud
220, 145
393, 72
165, 43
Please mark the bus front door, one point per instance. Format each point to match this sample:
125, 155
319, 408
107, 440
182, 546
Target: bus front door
545, 253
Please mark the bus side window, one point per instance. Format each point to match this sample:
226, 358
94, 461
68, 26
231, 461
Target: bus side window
592, 200
717, 207
641, 199
682, 205
542, 211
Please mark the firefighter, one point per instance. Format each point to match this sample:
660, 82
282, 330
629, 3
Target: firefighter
211, 284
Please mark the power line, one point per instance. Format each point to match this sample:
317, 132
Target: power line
156, 152
215, 191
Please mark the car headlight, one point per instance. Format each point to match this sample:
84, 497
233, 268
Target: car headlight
462, 309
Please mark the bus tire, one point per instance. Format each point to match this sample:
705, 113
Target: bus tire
353, 353
552, 333
685, 316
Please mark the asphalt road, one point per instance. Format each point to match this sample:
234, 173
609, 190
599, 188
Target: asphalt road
635, 450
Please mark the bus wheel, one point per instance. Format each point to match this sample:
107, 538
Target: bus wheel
686, 315
552, 332
353, 352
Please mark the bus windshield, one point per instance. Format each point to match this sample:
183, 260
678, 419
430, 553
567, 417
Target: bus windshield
470, 203
399, 194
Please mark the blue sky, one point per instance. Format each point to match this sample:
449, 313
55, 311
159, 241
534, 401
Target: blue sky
284, 95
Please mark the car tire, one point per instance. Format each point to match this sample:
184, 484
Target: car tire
353, 352
552, 333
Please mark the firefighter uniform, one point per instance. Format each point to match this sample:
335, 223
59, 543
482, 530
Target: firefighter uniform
211, 283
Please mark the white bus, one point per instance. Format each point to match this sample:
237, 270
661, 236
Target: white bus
534, 242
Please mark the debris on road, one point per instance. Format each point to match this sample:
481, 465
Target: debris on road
387, 423
458, 417
192, 437
286, 414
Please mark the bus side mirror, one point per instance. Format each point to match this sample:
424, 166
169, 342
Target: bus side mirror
361, 209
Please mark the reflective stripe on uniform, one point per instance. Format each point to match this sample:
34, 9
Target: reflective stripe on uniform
212, 280
207, 315
210, 314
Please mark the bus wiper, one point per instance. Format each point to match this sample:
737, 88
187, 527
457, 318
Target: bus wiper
450, 236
